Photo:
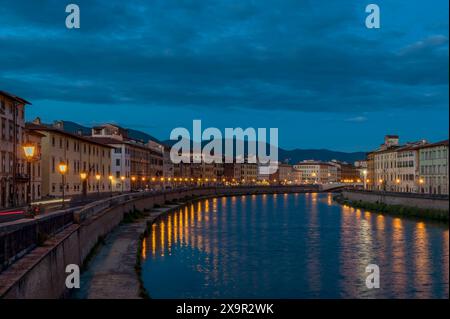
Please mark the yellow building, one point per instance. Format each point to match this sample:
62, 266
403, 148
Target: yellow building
87, 163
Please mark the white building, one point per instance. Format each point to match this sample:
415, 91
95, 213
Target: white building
433, 161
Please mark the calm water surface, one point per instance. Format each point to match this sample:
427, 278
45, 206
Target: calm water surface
292, 246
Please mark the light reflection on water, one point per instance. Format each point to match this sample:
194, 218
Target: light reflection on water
291, 246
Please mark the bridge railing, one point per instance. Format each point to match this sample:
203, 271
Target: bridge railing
19, 237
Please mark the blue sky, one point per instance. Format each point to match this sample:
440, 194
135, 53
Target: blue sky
310, 68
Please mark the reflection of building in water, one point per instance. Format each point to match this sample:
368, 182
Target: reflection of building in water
422, 260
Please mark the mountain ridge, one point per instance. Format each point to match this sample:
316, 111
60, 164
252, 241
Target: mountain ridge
297, 155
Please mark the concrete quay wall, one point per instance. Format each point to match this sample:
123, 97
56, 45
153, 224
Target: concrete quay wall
409, 200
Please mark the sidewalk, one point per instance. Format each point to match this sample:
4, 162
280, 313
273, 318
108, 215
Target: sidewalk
111, 274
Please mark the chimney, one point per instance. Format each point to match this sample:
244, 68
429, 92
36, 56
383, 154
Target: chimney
391, 140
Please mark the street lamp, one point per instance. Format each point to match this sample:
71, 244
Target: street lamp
421, 182
133, 182
97, 177
122, 178
110, 177
83, 177
62, 167
365, 178
29, 150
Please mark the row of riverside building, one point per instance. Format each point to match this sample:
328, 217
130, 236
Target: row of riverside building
413, 167
108, 158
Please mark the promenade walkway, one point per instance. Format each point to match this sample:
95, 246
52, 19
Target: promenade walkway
111, 273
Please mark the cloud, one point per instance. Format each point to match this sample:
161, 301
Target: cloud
356, 119
289, 55
432, 42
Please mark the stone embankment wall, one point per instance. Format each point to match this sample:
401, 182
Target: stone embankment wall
408, 200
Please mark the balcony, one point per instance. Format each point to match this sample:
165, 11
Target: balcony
21, 178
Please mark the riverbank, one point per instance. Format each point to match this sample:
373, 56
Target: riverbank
395, 210
113, 271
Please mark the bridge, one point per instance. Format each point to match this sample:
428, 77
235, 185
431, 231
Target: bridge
340, 186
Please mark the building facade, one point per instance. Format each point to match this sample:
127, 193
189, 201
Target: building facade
13, 172
314, 172
433, 167
136, 164
87, 162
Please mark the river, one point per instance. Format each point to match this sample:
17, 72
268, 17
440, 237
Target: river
292, 246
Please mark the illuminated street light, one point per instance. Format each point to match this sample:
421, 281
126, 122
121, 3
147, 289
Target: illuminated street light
110, 177
29, 150
62, 167
122, 178
365, 178
98, 177
83, 177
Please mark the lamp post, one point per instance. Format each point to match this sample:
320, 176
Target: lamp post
133, 182
421, 182
122, 178
314, 175
97, 177
63, 170
29, 150
365, 178
83, 177
110, 177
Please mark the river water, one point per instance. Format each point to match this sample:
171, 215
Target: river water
292, 246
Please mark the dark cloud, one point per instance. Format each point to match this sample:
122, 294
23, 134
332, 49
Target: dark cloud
295, 55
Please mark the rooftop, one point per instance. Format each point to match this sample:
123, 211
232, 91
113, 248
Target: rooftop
14, 97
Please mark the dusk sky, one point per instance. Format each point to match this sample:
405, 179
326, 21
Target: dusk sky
310, 68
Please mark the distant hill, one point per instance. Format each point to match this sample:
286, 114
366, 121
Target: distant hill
298, 155
76, 128
139, 135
